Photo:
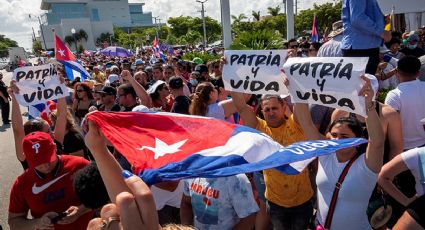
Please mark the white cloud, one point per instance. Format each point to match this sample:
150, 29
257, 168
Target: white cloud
15, 24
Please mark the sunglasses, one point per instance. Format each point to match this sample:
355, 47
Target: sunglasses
80, 90
217, 66
293, 46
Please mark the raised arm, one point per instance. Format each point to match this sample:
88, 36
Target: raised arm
375, 148
108, 167
60, 125
244, 110
144, 97
17, 122
303, 117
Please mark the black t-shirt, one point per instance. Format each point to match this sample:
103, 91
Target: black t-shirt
3, 89
417, 52
181, 105
73, 142
115, 108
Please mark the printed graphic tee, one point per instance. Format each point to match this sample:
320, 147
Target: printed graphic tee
219, 203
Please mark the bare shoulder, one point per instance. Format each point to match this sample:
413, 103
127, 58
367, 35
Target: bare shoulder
388, 112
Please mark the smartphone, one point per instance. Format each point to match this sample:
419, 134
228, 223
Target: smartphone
59, 217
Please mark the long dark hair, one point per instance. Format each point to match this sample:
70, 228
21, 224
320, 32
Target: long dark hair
200, 99
86, 88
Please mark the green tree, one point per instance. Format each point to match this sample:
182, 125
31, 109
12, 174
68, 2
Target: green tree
239, 18
258, 40
273, 11
5, 43
326, 14
256, 15
36, 47
192, 37
181, 26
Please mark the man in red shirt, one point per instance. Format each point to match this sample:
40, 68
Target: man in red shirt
45, 189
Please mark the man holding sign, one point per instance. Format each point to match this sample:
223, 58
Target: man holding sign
288, 198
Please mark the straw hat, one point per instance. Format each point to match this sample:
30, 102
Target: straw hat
337, 29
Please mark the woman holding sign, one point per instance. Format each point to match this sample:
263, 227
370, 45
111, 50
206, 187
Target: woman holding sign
345, 180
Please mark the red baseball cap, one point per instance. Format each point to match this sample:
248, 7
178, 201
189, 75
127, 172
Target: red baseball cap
39, 148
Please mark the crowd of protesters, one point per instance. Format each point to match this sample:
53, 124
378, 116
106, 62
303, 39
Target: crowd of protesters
74, 179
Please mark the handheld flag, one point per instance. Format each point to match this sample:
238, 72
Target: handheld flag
63, 53
166, 146
314, 32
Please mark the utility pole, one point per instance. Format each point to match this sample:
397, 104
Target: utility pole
41, 29
203, 21
156, 26
225, 22
289, 19
159, 27
296, 7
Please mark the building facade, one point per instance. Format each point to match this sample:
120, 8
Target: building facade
93, 16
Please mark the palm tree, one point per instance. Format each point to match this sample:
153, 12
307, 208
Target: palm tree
273, 11
82, 35
239, 18
256, 15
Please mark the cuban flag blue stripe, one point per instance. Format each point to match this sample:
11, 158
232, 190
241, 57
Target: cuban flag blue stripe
198, 165
71, 66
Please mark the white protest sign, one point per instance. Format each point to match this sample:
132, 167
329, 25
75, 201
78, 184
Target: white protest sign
38, 84
332, 81
255, 71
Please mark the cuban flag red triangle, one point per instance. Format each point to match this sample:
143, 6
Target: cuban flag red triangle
62, 52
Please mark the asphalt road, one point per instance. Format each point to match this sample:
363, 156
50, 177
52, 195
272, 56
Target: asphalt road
10, 167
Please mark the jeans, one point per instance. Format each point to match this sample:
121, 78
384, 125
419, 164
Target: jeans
294, 218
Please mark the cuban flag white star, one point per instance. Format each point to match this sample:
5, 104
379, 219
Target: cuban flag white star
161, 148
61, 52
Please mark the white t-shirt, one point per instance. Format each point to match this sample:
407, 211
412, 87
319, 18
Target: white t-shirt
220, 203
216, 110
391, 82
353, 198
411, 159
163, 197
409, 99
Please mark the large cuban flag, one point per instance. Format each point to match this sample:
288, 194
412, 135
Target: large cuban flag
166, 146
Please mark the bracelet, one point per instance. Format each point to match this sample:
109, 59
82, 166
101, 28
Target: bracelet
370, 107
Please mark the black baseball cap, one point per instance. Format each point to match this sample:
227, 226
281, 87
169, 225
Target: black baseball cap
109, 90
201, 68
175, 82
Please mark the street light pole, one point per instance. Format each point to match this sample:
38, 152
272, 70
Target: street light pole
41, 29
156, 26
203, 21
110, 40
75, 40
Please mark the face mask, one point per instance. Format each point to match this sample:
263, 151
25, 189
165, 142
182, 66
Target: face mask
412, 46
193, 82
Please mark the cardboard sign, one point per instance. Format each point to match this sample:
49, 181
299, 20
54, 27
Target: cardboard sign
255, 71
38, 84
332, 81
